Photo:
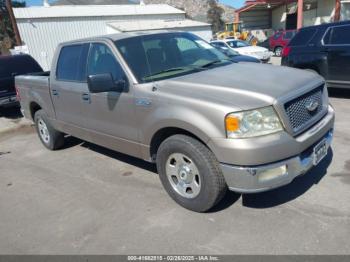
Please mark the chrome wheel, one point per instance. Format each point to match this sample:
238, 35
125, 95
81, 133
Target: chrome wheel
278, 51
43, 131
183, 175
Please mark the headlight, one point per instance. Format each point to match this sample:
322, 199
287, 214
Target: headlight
252, 123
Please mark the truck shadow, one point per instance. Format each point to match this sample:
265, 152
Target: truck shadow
287, 193
121, 157
11, 112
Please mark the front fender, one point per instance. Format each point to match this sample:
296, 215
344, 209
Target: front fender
203, 126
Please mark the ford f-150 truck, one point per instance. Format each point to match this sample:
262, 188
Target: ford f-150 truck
208, 123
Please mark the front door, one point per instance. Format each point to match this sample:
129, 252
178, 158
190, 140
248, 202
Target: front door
337, 45
111, 115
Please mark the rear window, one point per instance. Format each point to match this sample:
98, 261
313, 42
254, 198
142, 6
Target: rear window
71, 64
18, 65
303, 37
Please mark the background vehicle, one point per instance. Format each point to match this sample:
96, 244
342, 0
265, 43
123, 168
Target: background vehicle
280, 39
324, 49
170, 98
233, 55
244, 48
10, 66
234, 31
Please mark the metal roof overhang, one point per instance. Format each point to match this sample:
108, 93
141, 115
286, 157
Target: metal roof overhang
251, 5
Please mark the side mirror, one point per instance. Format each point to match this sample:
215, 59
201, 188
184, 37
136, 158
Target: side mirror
104, 83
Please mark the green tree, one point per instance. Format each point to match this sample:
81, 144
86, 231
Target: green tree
214, 16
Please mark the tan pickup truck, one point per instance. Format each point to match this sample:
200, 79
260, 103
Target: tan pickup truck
169, 97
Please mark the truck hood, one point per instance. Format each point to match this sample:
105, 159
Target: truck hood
243, 85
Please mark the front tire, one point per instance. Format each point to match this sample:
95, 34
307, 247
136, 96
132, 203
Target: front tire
278, 51
190, 173
50, 138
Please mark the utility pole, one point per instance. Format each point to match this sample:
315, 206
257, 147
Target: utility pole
13, 22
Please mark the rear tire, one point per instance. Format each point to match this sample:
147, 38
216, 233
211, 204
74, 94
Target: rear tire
278, 51
190, 173
50, 138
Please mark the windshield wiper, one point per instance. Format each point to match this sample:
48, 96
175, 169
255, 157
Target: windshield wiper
167, 71
213, 63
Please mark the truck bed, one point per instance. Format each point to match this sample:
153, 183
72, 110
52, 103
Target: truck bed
34, 87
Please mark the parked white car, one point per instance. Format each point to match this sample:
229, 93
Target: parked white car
244, 48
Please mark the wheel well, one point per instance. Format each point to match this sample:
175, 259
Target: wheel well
277, 47
34, 107
163, 134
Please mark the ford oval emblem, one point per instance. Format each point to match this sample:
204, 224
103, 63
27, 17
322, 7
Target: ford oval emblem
311, 105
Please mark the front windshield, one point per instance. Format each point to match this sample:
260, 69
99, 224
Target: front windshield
230, 52
237, 44
166, 55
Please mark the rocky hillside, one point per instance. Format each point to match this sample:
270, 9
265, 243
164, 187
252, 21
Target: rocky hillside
196, 9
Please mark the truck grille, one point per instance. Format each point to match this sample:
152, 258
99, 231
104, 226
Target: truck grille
298, 109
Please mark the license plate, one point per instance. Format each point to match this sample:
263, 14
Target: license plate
320, 151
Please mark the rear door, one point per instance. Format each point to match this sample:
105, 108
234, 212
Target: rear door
70, 84
337, 46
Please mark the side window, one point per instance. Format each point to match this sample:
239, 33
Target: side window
102, 61
303, 37
340, 35
72, 63
277, 35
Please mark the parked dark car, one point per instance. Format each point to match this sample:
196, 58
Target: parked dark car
324, 49
235, 56
10, 66
280, 39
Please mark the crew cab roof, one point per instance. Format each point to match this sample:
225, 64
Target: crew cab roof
119, 36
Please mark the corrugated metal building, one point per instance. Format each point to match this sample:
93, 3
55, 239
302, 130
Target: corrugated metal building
42, 28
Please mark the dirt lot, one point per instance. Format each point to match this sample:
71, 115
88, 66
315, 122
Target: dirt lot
85, 199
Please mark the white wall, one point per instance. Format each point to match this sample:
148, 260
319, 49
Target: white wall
325, 11
279, 17
43, 35
201, 31
345, 10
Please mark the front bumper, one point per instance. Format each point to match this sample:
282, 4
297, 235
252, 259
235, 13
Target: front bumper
8, 100
252, 178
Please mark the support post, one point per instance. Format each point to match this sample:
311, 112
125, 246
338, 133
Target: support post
300, 14
13, 22
337, 11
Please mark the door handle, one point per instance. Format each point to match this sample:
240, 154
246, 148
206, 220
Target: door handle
86, 97
55, 92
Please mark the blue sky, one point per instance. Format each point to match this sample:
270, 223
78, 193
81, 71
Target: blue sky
235, 3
